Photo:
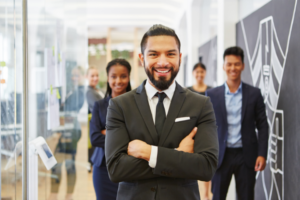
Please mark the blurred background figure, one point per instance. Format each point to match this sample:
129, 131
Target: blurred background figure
66, 148
199, 72
93, 94
118, 83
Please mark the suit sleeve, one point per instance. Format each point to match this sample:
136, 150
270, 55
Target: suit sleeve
200, 165
121, 166
262, 126
97, 138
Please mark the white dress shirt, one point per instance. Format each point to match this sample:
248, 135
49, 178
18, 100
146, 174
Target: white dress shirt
153, 100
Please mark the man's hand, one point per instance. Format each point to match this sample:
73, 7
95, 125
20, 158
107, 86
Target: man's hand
187, 144
103, 132
260, 163
139, 149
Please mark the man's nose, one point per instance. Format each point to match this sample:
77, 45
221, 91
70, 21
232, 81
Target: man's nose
163, 61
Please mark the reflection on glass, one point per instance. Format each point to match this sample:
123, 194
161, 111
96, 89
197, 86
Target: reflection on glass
66, 148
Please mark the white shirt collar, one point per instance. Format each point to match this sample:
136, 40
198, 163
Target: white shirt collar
151, 91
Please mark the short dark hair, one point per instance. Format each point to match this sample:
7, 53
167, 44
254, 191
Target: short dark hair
157, 30
117, 61
199, 64
237, 51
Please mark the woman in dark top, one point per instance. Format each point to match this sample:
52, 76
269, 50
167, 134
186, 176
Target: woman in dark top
199, 72
118, 82
92, 93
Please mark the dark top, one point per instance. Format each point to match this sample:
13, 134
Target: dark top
70, 137
253, 117
203, 93
92, 95
97, 124
74, 101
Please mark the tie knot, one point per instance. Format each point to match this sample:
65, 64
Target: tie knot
161, 96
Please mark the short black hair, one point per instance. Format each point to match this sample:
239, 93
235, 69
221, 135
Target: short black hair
199, 64
157, 30
237, 51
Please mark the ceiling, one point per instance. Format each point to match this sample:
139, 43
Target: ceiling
124, 16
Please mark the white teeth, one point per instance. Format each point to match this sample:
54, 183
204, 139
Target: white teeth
162, 71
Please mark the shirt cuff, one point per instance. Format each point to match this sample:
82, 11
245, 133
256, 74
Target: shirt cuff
153, 156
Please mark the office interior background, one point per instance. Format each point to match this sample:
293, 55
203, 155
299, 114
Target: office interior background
64, 34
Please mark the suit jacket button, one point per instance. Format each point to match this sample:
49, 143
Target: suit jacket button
153, 189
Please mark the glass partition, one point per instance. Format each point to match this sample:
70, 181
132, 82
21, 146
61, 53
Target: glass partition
57, 59
10, 99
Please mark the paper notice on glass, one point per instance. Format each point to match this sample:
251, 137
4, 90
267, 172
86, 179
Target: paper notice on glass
62, 75
53, 110
51, 63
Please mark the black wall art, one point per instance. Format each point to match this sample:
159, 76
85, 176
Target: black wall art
270, 39
207, 54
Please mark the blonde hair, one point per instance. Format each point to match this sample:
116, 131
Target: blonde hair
89, 69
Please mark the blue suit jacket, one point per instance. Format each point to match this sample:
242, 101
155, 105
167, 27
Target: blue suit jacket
253, 117
97, 124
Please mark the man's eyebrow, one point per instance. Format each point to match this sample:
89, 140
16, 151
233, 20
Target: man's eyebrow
172, 50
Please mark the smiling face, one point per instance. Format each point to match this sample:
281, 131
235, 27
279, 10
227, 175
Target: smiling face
93, 77
161, 60
233, 66
118, 79
199, 74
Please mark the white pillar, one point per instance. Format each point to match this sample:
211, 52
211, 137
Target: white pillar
193, 37
228, 16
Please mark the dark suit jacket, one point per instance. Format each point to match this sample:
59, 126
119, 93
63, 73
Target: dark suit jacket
97, 124
253, 116
174, 177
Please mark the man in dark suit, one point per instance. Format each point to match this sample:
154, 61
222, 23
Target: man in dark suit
239, 110
161, 138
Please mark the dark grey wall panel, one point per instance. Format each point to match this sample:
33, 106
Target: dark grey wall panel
270, 39
208, 53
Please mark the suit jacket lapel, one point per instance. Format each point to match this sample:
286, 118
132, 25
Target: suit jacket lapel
176, 104
244, 100
223, 104
142, 103
106, 106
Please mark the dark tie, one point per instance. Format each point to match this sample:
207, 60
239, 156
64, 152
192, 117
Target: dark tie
160, 116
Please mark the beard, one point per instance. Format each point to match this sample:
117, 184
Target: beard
162, 83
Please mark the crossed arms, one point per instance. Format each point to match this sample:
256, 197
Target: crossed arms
127, 160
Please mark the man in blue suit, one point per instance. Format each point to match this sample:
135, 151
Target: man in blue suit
239, 110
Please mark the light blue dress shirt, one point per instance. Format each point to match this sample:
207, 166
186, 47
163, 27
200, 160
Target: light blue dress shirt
234, 116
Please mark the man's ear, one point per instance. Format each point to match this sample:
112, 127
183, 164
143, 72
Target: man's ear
180, 56
141, 56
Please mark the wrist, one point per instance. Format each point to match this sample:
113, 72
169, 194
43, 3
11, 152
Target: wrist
146, 152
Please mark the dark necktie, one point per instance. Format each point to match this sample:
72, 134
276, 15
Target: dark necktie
160, 116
